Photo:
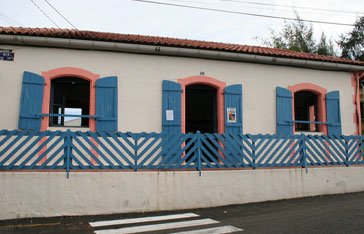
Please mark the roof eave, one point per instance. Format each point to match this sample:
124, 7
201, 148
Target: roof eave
174, 51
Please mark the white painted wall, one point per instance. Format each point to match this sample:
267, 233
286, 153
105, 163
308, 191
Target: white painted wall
140, 84
46, 194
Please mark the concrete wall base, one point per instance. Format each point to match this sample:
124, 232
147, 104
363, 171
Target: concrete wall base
46, 194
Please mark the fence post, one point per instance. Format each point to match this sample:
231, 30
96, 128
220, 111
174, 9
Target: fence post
198, 142
135, 138
303, 155
253, 152
346, 151
68, 152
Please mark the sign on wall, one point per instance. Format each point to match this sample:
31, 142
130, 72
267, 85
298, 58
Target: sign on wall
6, 55
231, 115
169, 115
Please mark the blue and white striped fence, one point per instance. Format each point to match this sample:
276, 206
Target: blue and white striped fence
57, 150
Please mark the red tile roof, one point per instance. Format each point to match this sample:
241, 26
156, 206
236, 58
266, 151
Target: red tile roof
171, 42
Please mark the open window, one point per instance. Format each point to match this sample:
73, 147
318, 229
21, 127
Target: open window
307, 107
70, 96
306, 112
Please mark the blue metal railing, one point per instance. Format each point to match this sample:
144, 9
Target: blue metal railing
75, 150
309, 122
69, 115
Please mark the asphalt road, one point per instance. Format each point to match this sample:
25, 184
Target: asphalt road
325, 214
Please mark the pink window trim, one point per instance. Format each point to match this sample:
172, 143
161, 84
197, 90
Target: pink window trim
206, 80
356, 100
321, 105
63, 72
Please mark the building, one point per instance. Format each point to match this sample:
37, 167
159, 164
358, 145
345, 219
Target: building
206, 72
129, 83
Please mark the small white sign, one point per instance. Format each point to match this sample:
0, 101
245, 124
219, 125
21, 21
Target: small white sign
169, 115
231, 115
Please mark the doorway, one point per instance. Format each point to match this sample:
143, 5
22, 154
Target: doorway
201, 115
201, 108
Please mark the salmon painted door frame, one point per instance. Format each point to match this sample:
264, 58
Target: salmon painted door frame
204, 80
355, 82
64, 72
321, 104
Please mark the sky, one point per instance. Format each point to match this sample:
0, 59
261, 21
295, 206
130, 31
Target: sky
135, 17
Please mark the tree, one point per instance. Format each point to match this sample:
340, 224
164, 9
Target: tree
325, 47
298, 36
352, 43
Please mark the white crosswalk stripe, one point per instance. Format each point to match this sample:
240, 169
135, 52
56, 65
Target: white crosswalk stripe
142, 220
157, 227
193, 225
216, 230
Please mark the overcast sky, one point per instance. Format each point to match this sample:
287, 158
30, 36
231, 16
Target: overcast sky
131, 17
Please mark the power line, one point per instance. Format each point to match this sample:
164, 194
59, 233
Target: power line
240, 13
59, 13
292, 6
45, 14
252, 7
9, 20
5, 20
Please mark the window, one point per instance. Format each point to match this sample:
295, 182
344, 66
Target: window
47, 98
302, 107
306, 110
70, 96
309, 113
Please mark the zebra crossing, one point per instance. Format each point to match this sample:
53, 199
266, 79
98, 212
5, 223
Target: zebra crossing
164, 223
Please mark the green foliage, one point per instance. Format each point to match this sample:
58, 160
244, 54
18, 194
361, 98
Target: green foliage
325, 47
352, 43
298, 36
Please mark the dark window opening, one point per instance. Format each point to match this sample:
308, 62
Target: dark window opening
201, 109
69, 96
306, 109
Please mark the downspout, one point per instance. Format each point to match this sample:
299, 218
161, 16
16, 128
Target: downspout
173, 51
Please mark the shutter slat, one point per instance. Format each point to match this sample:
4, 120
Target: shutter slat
31, 102
284, 111
171, 101
333, 113
233, 99
107, 104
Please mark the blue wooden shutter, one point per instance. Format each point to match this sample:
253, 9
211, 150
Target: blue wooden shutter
333, 113
284, 111
171, 102
234, 99
31, 101
107, 104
